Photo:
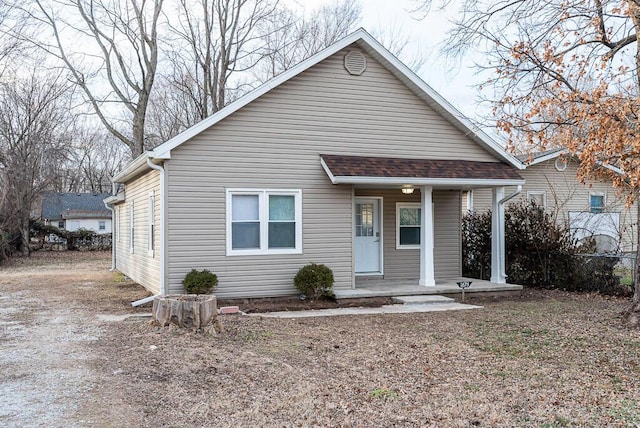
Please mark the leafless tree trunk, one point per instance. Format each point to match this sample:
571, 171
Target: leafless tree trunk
33, 116
110, 48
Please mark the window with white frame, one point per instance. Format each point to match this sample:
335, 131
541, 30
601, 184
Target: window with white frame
102, 225
152, 215
467, 200
596, 203
408, 220
538, 198
264, 221
132, 229
61, 224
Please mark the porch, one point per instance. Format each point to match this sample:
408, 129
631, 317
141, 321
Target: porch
377, 287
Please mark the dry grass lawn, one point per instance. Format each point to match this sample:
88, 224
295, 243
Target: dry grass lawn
544, 359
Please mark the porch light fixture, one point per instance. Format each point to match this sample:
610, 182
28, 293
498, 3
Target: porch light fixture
407, 189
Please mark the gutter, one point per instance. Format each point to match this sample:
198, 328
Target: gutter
162, 230
113, 235
501, 203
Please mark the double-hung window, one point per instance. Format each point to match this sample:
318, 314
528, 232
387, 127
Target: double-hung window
264, 221
537, 198
596, 203
408, 220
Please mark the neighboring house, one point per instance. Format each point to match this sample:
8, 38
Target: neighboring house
594, 209
73, 211
348, 159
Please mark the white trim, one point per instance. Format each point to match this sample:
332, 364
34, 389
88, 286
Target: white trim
380, 201
424, 181
399, 206
117, 220
537, 192
548, 156
164, 244
427, 234
263, 218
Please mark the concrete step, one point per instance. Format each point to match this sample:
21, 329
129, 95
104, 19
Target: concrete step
422, 299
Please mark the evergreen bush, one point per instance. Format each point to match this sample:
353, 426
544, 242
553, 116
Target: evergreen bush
314, 281
200, 282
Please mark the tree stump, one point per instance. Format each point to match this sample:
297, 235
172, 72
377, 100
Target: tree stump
192, 311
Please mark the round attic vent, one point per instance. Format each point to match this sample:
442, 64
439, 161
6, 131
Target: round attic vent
355, 63
561, 164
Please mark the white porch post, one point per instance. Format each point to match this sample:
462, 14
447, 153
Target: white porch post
427, 271
497, 236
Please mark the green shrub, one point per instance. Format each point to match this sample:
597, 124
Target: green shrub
539, 252
200, 282
314, 280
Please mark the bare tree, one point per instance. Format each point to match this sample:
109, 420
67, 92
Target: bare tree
34, 114
218, 40
299, 38
110, 48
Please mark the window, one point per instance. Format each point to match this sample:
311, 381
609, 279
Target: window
408, 220
132, 230
467, 200
596, 203
152, 215
264, 221
61, 224
537, 197
102, 225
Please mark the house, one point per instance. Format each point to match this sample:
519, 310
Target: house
73, 211
347, 159
591, 210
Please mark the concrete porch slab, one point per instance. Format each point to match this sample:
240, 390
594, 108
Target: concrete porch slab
422, 299
387, 309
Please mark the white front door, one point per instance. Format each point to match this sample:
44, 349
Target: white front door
367, 236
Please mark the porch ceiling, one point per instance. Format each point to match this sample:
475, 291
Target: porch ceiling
383, 170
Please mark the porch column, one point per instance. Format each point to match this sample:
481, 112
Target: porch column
427, 271
497, 236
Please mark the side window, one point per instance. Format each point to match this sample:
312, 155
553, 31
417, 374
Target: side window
132, 230
596, 203
152, 215
537, 197
102, 225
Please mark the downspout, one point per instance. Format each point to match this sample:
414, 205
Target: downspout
113, 235
502, 255
163, 249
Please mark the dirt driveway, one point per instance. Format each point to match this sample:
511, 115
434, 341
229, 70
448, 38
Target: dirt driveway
48, 321
546, 359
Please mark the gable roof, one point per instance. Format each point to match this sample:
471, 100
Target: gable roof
370, 45
381, 170
530, 159
74, 205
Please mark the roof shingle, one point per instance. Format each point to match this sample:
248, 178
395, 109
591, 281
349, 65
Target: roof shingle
370, 166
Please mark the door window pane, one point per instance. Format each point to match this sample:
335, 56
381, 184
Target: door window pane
364, 219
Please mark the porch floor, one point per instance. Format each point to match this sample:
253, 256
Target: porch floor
376, 287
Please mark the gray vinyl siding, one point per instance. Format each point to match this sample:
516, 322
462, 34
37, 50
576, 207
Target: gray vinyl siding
564, 194
274, 143
141, 266
405, 263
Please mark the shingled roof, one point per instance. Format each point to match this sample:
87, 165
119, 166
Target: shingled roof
382, 167
74, 205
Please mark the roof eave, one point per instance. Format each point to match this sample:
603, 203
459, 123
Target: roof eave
426, 181
136, 167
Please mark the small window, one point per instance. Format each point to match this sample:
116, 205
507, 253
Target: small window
61, 225
537, 198
596, 203
467, 200
264, 222
102, 225
408, 220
